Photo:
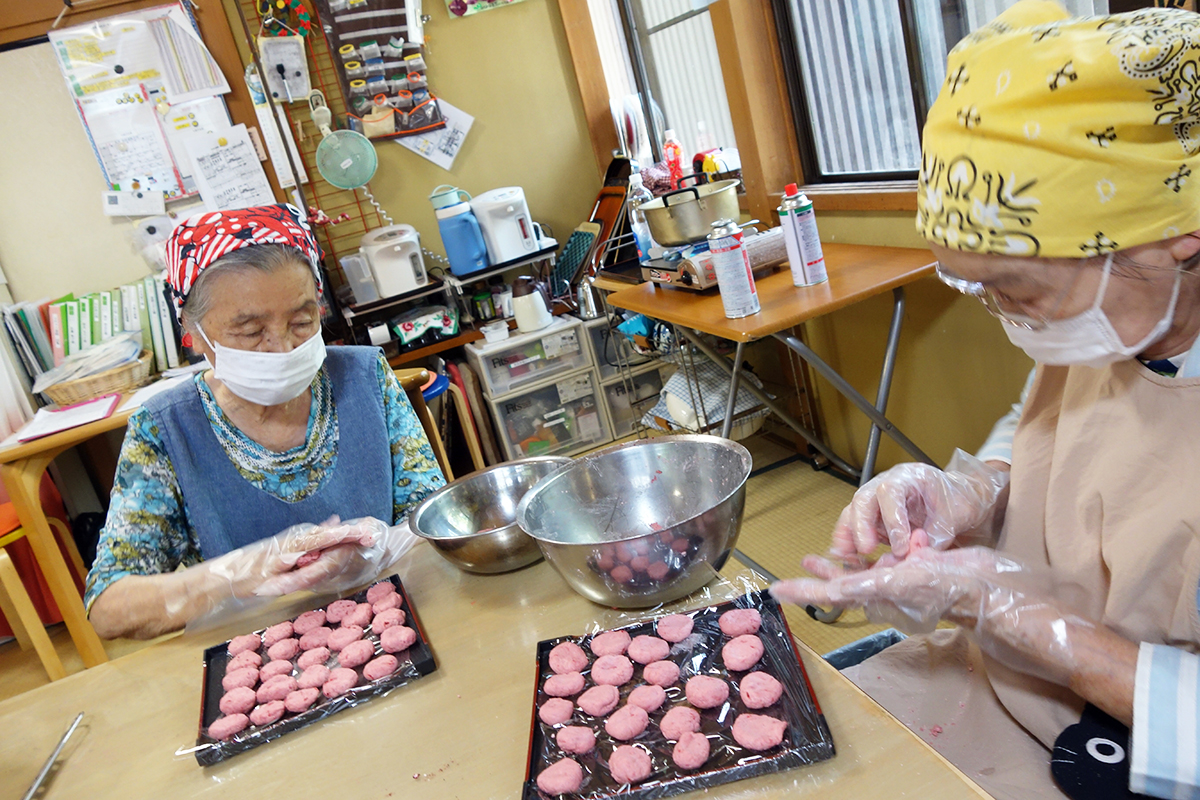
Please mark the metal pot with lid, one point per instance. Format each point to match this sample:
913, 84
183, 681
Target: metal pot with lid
686, 215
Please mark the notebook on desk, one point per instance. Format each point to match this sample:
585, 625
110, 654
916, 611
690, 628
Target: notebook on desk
47, 422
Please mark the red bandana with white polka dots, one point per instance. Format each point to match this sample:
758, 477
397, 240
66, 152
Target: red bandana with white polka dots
199, 241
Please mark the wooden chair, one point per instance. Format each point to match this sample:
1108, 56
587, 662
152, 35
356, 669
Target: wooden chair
411, 380
18, 608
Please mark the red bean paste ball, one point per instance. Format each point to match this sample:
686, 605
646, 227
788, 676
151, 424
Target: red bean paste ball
598, 701
629, 764
758, 732
705, 691
568, 657
740, 621
561, 777
674, 628
612, 643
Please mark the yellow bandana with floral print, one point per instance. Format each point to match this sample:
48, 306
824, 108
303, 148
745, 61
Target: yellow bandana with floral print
1065, 137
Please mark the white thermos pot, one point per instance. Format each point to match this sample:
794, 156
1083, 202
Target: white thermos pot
531, 305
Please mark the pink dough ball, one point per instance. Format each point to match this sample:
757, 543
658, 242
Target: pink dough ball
622, 574
567, 684
237, 700
244, 660
247, 643
301, 699
360, 617
561, 777
705, 691
740, 621
387, 603
611, 643
380, 667
356, 654
678, 721
274, 668
629, 764
313, 677
276, 633
317, 637
599, 700
276, 688
691, 751
648, 697
225, 727
343, 636
267, 713
661, 673
245, 678
308, 621
341, 680
627, 722
742, 653
387, 619
758, 732
576, 739
674, 628
338, 610
556, 711
568, 657
646, 649
284, 650
309, 658
380, 591
397, 639
612, 670
759, 690
658, 570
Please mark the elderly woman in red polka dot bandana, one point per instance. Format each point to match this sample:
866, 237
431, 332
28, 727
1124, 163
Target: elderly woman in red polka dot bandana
232, 486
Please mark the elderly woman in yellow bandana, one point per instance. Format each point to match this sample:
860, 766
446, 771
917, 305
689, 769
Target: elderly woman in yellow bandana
1060, 184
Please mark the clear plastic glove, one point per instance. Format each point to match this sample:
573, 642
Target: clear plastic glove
333, 558
914, 506
1014, 617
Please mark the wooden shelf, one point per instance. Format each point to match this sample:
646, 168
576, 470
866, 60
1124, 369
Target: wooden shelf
409, 356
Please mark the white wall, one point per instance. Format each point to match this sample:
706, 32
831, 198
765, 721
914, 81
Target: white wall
54, 238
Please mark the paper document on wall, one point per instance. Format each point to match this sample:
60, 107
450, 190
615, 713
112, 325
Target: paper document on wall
185, 121
442, 146
227, 170
132, 147
275, 148
189, 71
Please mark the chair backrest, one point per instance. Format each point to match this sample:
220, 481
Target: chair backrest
411, 380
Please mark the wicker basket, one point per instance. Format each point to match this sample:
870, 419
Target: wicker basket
113, 381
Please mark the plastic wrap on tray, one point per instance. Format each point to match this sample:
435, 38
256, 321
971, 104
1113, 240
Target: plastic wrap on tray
414, 662
807, 739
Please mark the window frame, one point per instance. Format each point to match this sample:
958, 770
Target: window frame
798, 99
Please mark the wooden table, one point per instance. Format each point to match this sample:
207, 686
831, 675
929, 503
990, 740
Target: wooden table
856, 272
21, 468
461, 732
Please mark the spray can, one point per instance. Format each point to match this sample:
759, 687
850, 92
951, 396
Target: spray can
800, 235
731, 262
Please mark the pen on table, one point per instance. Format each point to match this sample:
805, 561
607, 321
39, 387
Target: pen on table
37, 782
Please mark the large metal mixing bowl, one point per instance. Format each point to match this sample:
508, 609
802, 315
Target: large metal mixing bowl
472, 521
642, 523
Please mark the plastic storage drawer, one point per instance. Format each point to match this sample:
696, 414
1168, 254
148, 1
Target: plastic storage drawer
562, 416
528, 358
610, 349
625, 409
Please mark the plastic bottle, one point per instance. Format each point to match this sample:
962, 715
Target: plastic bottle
705, 141
673, 155
639, 194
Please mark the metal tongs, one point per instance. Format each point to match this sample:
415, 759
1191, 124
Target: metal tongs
37, 782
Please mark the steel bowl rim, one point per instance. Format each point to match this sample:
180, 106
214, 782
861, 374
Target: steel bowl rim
415, 515
543, 484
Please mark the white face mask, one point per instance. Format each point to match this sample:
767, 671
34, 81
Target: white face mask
1088, 339
268, 379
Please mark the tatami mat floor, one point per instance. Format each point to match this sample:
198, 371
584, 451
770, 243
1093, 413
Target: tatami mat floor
790, 512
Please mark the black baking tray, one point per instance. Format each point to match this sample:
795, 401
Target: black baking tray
417, 663
806, 742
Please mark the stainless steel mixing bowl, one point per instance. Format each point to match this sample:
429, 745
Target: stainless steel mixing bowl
472, 521
642, 523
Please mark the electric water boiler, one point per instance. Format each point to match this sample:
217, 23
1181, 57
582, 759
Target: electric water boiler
394, 253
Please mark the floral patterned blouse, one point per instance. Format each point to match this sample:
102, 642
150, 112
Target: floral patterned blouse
147, 529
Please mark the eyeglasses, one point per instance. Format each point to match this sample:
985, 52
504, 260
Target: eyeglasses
992, 299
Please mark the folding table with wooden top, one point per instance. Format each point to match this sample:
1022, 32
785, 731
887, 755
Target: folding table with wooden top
21, 468
856, 272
